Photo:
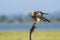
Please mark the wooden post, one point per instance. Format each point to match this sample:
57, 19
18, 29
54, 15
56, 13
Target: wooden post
31, 30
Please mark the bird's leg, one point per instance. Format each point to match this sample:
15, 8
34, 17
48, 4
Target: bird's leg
32, 29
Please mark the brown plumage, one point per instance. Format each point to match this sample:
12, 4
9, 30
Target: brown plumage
38, 16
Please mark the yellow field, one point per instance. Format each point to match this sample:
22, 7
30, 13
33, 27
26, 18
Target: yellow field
24, 35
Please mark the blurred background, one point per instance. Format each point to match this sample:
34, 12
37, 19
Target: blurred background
14, 16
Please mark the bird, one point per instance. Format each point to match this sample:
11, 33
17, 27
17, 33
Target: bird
38, 16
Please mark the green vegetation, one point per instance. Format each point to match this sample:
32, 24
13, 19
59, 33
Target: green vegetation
20, 18
24, 35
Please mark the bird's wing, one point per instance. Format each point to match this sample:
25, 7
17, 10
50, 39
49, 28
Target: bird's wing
44, 19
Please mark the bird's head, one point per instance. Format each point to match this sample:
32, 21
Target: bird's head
31, 13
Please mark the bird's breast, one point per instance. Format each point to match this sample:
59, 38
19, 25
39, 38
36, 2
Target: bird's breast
38, 19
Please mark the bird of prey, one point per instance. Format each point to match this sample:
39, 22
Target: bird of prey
38, 16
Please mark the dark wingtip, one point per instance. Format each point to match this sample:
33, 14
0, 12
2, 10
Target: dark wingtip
48, 21
45, 13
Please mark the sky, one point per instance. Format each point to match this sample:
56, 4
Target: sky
27, 6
